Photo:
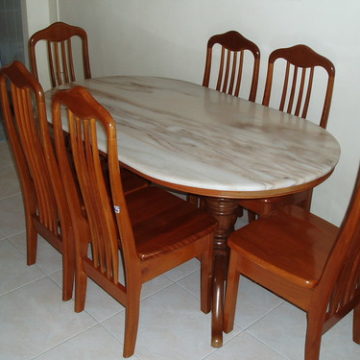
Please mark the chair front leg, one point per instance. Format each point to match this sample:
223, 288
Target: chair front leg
313, 335
131, 319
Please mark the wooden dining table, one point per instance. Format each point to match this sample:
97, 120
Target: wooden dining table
199, 141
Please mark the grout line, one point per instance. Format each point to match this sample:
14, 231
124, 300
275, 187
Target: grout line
268, 346
10, 196
23, 285
64, 341
262, 316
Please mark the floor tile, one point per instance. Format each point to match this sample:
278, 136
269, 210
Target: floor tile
5, 155
13, 269
284, 330
48, 258
9, 183
337, 342
34, 319
253, 301
12, 219
183, 270
93, 344
171, 326
245, 347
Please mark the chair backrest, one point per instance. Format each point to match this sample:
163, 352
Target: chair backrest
233, 46
298, 94
339, 287
106, 211
28, 133
58, 37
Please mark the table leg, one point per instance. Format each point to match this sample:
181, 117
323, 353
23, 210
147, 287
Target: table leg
225, 211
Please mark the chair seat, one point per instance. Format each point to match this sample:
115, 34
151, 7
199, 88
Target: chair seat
167, 223
304, 241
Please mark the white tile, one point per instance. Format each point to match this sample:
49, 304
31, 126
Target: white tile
245, 347
34, 319
183, 270
93, 344
153, 286
5, 155
337, 342
13, 269
253, 301
171, 326
12, 220
9, 183
48, 258
283, 329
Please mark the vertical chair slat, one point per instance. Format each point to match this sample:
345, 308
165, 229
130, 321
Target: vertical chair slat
227, 70
285, 86
221, 69
239, 76
292, 92
57, 63
70, 60
233, 71
308, 93
300, 93
64, 62
51, 64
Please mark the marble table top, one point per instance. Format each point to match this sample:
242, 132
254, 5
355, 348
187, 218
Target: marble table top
198, 140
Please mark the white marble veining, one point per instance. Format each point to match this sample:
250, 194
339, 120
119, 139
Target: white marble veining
182, 133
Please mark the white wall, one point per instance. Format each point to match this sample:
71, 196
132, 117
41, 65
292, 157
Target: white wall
168, 38
38, 14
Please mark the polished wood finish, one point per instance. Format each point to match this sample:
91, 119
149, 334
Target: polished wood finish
304, 259
58, 37
301, 58
233, 46
295, 99
46, 211
154, 230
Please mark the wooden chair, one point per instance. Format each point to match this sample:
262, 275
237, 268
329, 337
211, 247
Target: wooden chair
233, 47
230, 72
45, 208
307, 261
295, 99
155, 230
58, 37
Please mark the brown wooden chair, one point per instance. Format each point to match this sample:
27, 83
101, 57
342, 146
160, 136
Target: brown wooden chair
58, 37
307, 261
45, 208
295, 99
230, 73
154, 230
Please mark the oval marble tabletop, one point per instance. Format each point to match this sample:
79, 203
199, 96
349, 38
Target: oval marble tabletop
199, 140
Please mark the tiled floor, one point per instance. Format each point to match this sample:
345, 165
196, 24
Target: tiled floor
36, 324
